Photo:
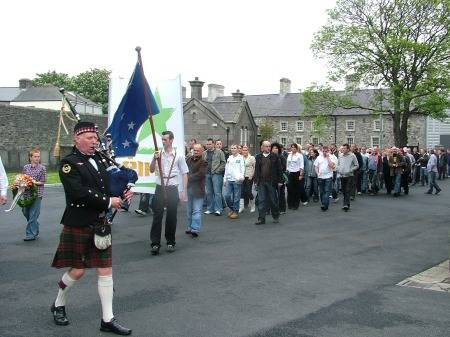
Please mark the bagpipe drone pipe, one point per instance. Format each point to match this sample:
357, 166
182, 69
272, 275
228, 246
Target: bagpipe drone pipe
121, 178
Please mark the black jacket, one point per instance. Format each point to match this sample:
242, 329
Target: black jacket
277, 170
86, 189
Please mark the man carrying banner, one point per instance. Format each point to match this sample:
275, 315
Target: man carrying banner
171, 186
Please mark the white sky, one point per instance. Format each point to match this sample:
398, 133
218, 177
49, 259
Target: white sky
241, 44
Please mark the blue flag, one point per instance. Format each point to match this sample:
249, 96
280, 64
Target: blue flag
131, 114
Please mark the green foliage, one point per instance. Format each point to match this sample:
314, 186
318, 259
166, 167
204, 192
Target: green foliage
59, 80
92, 84
266, 130
400, 45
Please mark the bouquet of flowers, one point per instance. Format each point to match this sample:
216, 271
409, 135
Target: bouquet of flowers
24, 191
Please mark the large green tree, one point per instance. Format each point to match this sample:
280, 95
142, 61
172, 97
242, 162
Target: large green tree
92, 84
401, 46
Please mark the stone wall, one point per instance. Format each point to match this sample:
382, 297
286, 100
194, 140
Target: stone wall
364, 133
23, 128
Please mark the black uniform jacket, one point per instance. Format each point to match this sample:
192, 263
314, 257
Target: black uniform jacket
86, 189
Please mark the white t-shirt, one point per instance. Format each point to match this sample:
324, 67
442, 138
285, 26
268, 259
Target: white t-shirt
322, 164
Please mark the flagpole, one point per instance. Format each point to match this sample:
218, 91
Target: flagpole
150, 117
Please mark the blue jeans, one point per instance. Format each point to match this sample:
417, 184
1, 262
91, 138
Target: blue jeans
325, 186
423, 175
194, 211
397, 183
214, 184
432, 179
233, 195
32, 214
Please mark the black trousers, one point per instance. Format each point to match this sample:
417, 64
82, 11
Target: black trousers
171, 204
346, 185
144, 202
293, 189
246, 191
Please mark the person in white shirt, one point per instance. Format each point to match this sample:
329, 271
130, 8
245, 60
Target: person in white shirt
232, 180
171, 187
3, 184
296, 180
324, 166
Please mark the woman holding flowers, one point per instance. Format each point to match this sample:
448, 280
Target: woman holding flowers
31, 212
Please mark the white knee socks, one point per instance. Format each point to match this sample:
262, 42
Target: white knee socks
105, 291
64, 284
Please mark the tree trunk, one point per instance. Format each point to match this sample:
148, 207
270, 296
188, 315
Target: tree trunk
400, 127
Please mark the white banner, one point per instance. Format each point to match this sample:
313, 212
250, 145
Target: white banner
168, 96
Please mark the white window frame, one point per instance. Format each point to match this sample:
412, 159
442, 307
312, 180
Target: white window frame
281, 141
351, 121
302, 129
371, 141
352, 140
313, 129
375, 128
301, 140
245, 136
242, 135
281, 126
315, 143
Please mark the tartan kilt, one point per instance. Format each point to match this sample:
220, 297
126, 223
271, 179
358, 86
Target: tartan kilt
76, 249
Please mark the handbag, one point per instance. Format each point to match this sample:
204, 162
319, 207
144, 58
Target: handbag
102, 235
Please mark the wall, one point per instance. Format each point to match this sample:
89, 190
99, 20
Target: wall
23, 128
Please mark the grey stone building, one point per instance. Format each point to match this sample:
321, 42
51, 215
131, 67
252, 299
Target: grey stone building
216, 116
353, 126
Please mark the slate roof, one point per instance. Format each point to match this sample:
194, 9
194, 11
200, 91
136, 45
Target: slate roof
229, 110
49, 93
290, 105
7, 94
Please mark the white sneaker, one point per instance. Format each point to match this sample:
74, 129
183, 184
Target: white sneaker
305, 203
138, 211
359, 193
217, 213
207, 212
335, 200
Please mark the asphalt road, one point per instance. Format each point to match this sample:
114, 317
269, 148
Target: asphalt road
312, 275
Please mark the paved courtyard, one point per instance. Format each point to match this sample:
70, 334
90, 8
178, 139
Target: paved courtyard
314, 274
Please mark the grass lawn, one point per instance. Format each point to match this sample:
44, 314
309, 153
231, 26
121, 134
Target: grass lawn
52, 177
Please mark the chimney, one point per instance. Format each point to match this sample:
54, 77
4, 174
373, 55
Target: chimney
237, 96
183, 90
196, 89
25, 83
285, 86
351, 83
214, 91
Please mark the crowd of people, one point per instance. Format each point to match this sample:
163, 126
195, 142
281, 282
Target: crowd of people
278, 179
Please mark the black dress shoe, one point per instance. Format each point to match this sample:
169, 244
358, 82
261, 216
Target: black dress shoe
114, 327
188, 231
59, 315
194, 234
437, 192
260, 222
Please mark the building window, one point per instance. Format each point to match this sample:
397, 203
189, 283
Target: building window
377, 125
245, 136
283, 126
300, 126
376, 141
350, 140
315, 141
242, 136
283, 141
299, 140
313, 128
350, 125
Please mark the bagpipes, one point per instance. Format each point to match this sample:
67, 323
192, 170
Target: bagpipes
121, 178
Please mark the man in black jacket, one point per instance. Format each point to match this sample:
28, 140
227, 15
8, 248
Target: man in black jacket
86, 185
268, 178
